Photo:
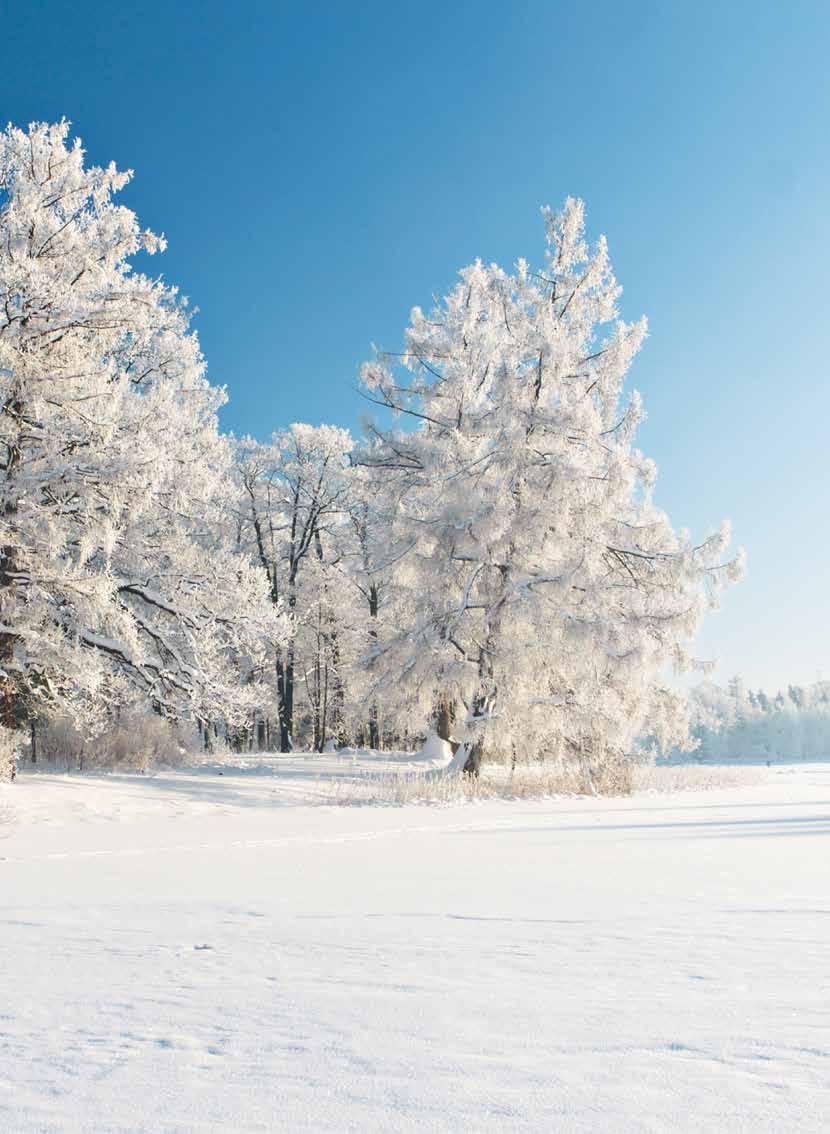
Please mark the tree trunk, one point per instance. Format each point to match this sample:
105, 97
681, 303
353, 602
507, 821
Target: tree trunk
443, 724
285, 687
472, 765
315, 686
285, 680
10, 715
374, 730
324, 704
472, 750
338, 693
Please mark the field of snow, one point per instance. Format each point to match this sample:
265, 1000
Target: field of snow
219, 950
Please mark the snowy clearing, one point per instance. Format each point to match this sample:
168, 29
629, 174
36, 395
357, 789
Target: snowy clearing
214, 950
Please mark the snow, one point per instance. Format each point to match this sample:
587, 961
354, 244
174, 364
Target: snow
436, 751
213, 950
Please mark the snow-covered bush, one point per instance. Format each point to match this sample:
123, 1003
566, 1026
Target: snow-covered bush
10, 748
134, 743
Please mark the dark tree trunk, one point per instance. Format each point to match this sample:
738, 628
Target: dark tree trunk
10, 714
9, 693
472, 765
324, 704
285, 687
374, 731
443, 724
314, 692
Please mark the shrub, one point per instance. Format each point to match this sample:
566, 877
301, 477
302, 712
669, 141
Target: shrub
9, 753
135, 743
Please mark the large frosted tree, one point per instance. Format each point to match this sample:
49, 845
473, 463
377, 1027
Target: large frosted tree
116, 563
547, 593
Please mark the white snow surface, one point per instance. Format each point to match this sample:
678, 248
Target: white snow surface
196, 951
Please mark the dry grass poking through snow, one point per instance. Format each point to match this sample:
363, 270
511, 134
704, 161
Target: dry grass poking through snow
393, 788
541, 782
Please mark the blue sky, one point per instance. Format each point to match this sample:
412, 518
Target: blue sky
320, 169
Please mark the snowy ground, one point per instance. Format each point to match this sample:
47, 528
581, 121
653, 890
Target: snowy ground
202, 952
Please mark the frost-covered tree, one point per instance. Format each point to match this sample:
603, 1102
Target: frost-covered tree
294, 516
546, 591
115, 485
760, 727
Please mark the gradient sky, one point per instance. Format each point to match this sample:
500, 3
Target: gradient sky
318, 170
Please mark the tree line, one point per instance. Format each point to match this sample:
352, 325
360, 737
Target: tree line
492, 566
739, 723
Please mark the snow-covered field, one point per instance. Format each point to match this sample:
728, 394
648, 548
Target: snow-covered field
219, 950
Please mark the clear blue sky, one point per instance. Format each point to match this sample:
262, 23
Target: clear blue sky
318, 169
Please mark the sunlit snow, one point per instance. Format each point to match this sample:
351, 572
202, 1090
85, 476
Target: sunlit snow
217, 950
